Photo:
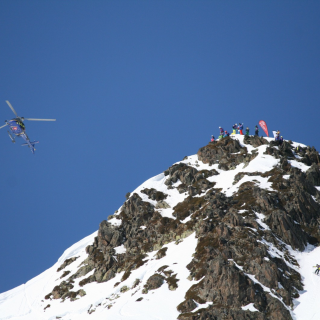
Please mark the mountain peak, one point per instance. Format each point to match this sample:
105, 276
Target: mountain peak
217, 235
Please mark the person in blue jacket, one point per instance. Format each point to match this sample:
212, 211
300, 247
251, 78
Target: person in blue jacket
240, 128
226, 134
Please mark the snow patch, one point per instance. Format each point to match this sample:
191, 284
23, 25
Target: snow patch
260, 218
303, 167
121, 249
250, 307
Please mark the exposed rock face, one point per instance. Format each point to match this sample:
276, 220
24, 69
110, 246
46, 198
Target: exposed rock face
186, 306
66, 263
154, 282
153, 194
255, 141
227, 152
233, 264
313, 174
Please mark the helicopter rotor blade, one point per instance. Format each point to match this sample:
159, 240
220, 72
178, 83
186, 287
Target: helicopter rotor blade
11, 107
3, 126
33, 119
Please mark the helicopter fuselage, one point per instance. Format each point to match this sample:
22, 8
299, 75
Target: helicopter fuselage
17, 127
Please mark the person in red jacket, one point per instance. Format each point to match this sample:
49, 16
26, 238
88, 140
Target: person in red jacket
240, 128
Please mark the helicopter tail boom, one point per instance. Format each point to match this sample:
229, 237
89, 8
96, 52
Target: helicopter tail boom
32, 143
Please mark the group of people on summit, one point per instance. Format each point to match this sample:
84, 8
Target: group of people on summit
238, 129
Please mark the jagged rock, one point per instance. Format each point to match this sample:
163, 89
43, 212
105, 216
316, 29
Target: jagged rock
162, 205
286, 150
124, 289
275, 152
136, 283
67, 262
274, 143
313, 174
153, 194
65, 274
240, 175
285, 165
187, 207
182, 172
154, 282
228, 152
278, 149
186, 306
310, 156
161, 253
283, 225
213, 152
255, 141
60, 290
108, 235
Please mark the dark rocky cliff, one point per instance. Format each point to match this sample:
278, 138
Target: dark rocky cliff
241, 256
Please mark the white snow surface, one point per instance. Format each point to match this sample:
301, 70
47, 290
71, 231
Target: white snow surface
27, 302
250, 307
306, 306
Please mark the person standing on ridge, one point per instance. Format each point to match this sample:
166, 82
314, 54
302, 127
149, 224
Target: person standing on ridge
256, 131
240, 128
234, 128
221, 132
212, 138
247, 131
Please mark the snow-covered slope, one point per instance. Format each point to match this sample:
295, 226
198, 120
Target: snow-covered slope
137, 295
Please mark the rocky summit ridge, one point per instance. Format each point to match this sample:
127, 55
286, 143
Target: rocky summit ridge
212, 237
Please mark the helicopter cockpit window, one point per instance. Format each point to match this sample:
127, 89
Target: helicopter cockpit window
21, 124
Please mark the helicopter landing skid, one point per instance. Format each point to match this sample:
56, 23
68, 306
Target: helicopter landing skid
12, 139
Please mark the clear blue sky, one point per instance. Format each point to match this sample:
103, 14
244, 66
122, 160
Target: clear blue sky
135, 86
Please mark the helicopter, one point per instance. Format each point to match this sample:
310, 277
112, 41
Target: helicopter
18, 129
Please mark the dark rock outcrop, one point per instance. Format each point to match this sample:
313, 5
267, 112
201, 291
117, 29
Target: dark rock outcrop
154, 282
255, 141
227, 152
153, 194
